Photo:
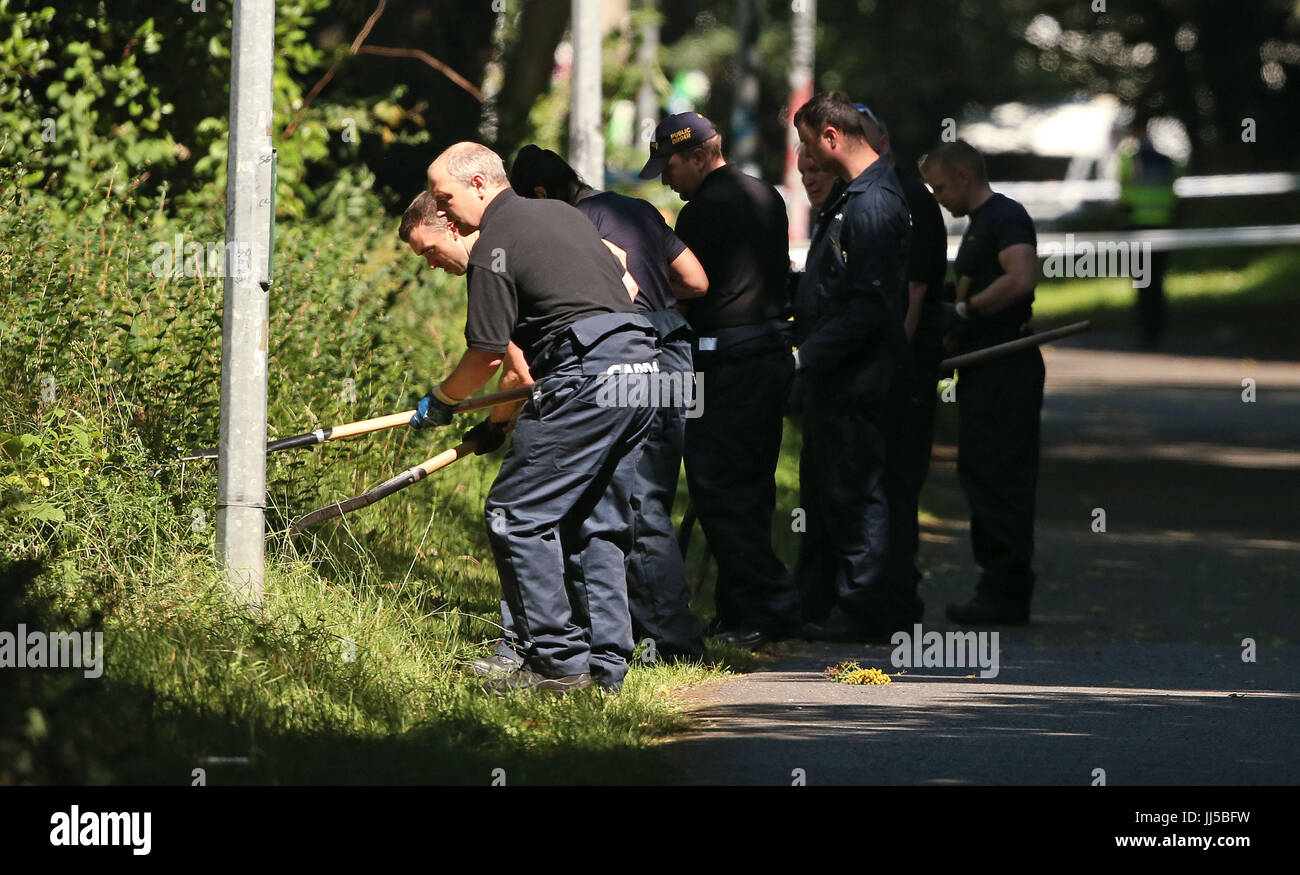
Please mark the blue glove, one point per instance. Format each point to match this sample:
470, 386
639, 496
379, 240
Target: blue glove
434, 410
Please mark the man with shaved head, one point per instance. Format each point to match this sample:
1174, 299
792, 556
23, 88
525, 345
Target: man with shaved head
999, 402
559, 514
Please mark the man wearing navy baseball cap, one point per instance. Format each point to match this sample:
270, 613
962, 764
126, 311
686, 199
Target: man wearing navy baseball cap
736, 226
676, 135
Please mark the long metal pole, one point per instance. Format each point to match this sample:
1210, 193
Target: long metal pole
803, 30
241, 482
647, 59
991, 352
586, 140
744, 112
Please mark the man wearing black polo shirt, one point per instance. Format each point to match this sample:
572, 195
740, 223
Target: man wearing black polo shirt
736, 225
998, 401
853, 362
665, 271
927, 265
558, 514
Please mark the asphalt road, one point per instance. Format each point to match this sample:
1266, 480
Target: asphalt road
1133, 664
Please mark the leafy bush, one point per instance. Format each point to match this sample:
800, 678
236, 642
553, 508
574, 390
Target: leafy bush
142, 93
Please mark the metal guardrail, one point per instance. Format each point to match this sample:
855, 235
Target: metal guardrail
1161, 240
1164, 240
1074, 191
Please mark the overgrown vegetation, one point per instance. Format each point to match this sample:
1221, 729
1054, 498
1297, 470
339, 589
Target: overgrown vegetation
352, 671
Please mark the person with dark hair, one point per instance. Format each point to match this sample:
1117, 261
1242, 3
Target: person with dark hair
853, 362
558, 515
999, 401
737, 226
665, 272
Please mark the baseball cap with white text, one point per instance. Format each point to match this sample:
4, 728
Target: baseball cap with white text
675, 134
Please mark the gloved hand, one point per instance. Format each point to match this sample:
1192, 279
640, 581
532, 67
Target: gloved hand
486, 436
434, 410
955, 323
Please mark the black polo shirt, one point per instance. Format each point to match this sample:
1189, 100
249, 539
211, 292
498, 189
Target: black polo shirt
999, 222
538, 266
736, 225
636, 227
927, 262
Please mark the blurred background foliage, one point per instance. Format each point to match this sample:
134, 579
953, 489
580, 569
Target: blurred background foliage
144, 84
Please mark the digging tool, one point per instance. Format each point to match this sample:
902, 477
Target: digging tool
1001, 349
367, 426
383, 490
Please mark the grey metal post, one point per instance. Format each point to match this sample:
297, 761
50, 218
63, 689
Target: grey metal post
241, 483
744, 112
647, 59
586, 137
803, 30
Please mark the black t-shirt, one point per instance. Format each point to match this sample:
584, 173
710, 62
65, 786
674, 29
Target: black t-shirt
737, 227
538, 266
999, 222
928, 260
636, 227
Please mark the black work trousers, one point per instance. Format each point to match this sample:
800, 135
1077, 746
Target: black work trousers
731, 455
999, 403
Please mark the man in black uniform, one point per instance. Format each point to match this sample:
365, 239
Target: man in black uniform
927, 264
852, 357
736, 225
998, 401
559, 514
665, 270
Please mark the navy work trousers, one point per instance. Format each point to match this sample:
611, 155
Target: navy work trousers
559, 515
855, 500
658, 596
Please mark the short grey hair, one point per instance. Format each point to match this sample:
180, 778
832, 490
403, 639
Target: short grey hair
466, 160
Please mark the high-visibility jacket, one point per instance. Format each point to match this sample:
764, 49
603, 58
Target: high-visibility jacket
1146, 185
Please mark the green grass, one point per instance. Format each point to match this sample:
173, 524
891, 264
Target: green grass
1244, 299
352, 671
